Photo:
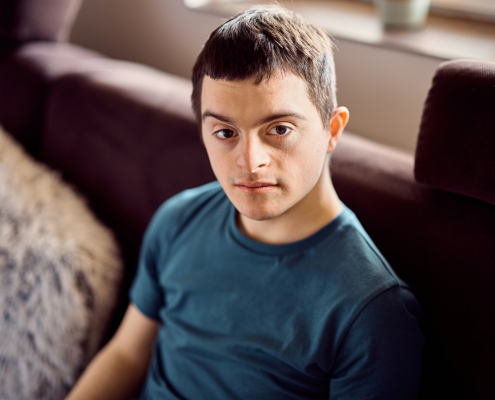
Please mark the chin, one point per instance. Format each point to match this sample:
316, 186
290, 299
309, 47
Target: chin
259, 208
259, 213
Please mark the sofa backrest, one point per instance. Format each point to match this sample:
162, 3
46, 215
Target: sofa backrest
32, 56
33, 20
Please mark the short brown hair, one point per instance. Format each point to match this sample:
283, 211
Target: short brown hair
261, 41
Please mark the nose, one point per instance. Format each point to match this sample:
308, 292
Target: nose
253, 154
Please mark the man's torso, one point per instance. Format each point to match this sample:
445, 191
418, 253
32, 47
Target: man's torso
242, 319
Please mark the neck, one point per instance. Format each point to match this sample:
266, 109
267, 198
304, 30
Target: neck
313, 212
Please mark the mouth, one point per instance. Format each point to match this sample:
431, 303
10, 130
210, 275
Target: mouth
256, 187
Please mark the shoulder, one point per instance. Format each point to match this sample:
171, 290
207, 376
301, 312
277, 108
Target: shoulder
179, 210
360, 277
358, 261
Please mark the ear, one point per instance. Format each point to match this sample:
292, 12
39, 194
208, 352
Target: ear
338, 121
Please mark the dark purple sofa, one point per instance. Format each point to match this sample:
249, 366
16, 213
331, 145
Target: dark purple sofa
125, 136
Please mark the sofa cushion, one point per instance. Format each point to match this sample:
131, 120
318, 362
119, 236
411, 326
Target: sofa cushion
60, 273
456, 143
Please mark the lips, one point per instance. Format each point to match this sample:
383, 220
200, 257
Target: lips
256, 187
255, 184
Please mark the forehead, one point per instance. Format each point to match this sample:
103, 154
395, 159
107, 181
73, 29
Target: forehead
280, 89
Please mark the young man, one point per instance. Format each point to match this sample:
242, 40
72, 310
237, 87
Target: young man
263, 285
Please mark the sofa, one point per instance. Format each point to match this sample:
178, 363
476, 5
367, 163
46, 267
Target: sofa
125, 137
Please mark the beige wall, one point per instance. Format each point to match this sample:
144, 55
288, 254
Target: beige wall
384, 89
161, 33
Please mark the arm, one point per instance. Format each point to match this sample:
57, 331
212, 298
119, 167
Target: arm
381, 355
119, 369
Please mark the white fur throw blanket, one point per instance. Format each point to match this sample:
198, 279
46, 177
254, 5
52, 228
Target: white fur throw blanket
60, 272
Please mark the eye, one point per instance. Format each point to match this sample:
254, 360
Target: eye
224, 134
280, 130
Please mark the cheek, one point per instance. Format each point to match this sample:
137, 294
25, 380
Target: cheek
219, 163
305, 164
305, 155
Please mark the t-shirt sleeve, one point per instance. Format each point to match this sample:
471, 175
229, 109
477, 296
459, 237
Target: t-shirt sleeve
145, 292
381, 355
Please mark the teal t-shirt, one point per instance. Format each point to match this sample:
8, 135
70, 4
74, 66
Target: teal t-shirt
324, 317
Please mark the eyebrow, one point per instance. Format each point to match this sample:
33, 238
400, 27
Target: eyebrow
217, 116
269, 118
282, 114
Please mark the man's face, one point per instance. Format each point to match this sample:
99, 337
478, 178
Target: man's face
266, 143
